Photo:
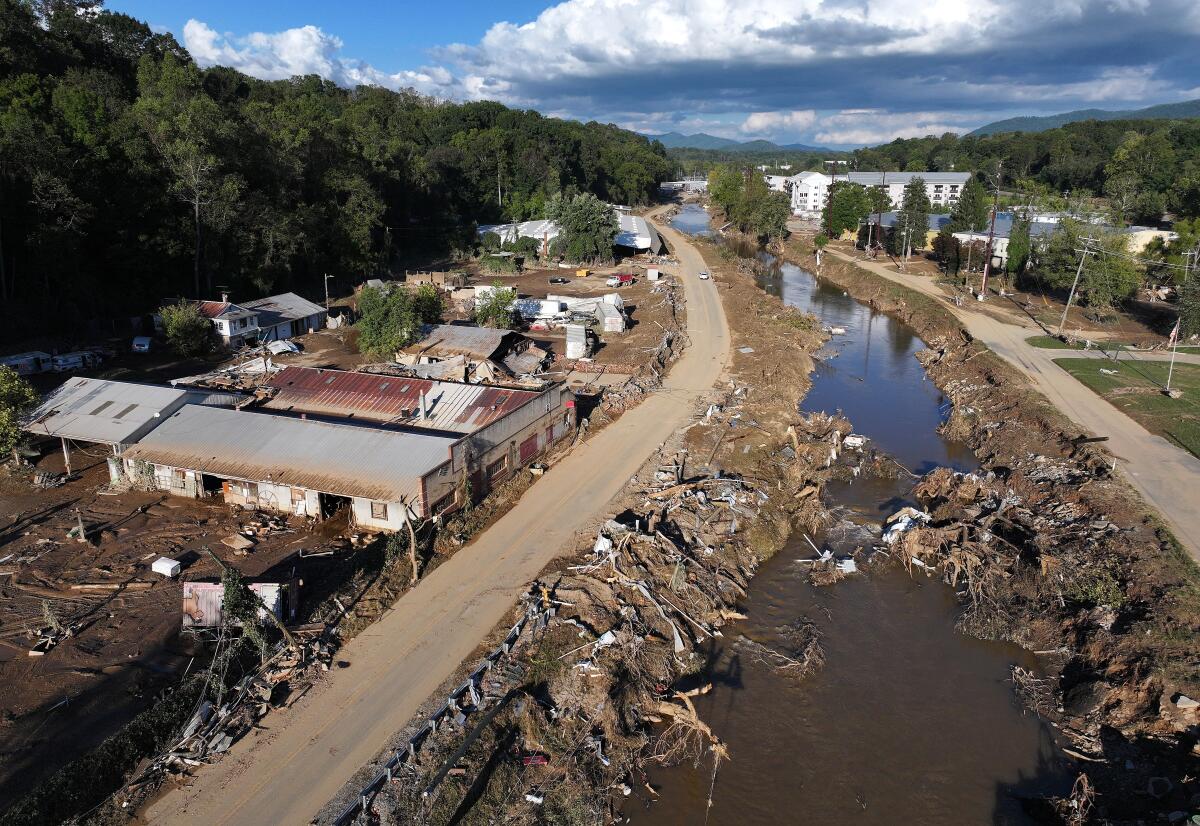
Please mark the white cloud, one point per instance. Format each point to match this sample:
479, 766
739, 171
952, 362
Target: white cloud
775, 124
306, 50
866, 126
769, 68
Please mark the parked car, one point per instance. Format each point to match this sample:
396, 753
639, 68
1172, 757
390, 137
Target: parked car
619, 280
558, 280
141, 344
703, 275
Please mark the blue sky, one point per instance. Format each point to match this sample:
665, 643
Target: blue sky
825, 72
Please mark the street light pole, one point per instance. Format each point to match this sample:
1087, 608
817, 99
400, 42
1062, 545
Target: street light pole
1087, 250
327, 277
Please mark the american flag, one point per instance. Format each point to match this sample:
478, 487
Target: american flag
1174, 335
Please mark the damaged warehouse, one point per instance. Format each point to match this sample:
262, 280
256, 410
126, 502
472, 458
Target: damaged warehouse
388, 448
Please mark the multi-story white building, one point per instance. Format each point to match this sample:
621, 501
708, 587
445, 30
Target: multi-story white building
810, 189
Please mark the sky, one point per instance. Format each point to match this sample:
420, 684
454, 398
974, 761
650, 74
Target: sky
837, 73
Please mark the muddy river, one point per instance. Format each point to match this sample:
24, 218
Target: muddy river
908, 721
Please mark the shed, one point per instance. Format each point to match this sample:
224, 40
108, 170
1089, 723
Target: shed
611, 319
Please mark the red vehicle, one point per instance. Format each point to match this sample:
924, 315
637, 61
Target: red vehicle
620, 280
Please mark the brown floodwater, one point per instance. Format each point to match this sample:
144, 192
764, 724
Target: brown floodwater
908, 721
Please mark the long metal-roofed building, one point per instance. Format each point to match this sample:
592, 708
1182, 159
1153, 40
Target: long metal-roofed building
408, 403
440, 341
115, 413
500, 429
299, 466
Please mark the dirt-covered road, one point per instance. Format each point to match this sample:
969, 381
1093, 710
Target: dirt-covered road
1167, 476
286, 773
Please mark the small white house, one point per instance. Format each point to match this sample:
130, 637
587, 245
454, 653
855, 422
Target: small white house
235, 325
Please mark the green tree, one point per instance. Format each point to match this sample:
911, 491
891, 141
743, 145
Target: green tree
1110, 276
972, 210
725, 186
912, 221
496, 308
1189, 307
587, 227
1058, 260
189, 333
427, 304
387, 321
17, 397
1019, 245
848, 204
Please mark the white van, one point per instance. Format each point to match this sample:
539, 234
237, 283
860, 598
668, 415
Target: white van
79, 360
141, 344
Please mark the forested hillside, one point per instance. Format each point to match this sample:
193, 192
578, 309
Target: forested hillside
129, 175
1144, 167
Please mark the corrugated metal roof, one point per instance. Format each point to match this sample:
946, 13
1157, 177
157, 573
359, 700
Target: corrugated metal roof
345, 460
277, 309
459, 408
95, 410
455, 339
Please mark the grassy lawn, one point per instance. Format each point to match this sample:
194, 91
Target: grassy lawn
1135, 389
1052, 343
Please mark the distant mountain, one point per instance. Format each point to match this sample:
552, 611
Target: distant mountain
675, 140
700, 140
1165, 111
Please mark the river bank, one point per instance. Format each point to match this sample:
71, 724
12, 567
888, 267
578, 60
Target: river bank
1060, 557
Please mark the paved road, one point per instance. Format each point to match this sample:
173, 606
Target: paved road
1167, 476
287, 773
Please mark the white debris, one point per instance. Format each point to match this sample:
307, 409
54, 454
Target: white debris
903, 521
847, 566
855, 441
166, 566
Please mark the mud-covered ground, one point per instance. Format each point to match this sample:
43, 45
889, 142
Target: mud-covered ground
1053, 552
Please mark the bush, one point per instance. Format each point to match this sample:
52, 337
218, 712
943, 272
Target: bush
188, 332
496, 309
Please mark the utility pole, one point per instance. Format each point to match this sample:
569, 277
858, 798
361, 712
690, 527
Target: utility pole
327, 277
987, 263
1087, 250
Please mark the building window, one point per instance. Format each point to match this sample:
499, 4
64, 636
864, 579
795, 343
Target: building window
379, 510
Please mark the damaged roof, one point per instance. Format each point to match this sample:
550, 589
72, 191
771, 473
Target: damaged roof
450, 406
339, 459
461, 340
277, 309
221, 309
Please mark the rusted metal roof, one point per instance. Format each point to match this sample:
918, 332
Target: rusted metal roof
340, 459
450, 406
221, 309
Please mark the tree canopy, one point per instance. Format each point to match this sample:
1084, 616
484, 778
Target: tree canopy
188, 332
848, 204
391, 320
495, 309
748, 202
587, 227
128, 173
17, 397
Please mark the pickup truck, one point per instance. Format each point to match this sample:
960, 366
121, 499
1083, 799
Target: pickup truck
619, 280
